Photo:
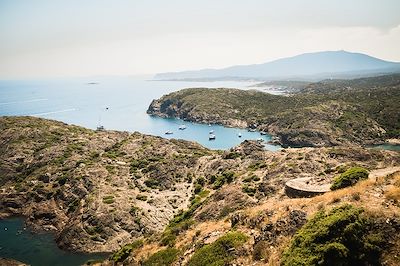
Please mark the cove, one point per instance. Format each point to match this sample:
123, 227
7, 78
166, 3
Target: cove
118, 103
37, 249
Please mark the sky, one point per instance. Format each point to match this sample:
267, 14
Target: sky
68, 38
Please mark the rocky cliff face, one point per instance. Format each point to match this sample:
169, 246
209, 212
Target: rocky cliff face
298, 121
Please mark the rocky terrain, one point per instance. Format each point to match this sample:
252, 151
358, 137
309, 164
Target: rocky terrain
328, 113
150, 199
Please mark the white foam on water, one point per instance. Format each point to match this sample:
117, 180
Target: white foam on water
54, 112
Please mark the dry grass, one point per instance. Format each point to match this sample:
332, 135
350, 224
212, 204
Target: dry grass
147, 250
204, 229
372, 194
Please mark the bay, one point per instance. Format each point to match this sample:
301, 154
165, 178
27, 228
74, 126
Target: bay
37, 249
117, 103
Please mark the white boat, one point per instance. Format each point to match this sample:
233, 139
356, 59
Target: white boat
263, 133
240, 135
211, 137
260, 139
209, 125
211, 132
100, 128
169, 132
182, 127
251, 130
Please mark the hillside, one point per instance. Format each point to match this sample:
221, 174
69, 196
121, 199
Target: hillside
309, 66
160, 201
328, 113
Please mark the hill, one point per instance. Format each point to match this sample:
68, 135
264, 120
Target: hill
334, 112
309, 66
155, 201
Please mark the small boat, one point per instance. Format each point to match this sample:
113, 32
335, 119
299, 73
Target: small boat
182, 127
211, 132
100, 128
211, 137
168, 132
209, 125
260, 139
251, 130
240, 135
263, 133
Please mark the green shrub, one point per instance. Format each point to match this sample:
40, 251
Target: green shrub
349, 178
182, 221
152, 183
163, 257
141, 197
124, 252
256, 166
249, 190
218, 253
197, 188
341, 237
219, 182
108, 199
232, 155
201, 181
138, 164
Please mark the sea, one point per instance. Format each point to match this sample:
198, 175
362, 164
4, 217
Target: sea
118, 103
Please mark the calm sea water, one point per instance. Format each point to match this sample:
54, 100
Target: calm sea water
74, 101
19, 243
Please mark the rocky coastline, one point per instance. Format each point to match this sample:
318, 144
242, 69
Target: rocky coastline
99, 191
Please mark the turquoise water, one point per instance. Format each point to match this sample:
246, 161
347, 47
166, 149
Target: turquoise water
390, 147
74, 101
19, 243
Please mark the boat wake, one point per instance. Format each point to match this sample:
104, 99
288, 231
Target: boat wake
27, 101
54, 112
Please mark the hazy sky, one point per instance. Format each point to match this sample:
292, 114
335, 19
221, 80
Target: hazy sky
52, 38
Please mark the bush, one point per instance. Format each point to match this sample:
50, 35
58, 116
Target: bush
182, 221
249, 190
108, 199
198, 188
232, 155
152, 183
340, 237
141, 197
124, 252
349, 178
218, 253
163, 257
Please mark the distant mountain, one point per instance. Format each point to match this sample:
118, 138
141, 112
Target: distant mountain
335, 64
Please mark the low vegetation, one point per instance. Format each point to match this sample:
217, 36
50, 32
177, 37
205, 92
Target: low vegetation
218, 253
164, 257
125, 251
349, 178
325, 113
341, 236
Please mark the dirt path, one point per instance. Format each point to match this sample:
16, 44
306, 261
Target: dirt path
383, 172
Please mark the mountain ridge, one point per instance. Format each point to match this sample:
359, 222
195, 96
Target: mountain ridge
323, 64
